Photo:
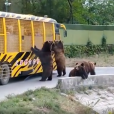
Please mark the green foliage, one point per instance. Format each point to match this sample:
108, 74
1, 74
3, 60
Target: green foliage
87, 50
57, 9
43, 101
2, 6
101, 13
47, 101
93, 12
52, 8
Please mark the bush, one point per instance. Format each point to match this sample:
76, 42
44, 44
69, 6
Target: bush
87, 50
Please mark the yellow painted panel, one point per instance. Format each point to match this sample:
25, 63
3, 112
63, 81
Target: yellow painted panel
18, 65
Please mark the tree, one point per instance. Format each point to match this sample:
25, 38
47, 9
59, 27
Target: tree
101, 11
72, 11
2, 5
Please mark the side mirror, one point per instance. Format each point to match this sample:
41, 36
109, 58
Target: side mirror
65, 33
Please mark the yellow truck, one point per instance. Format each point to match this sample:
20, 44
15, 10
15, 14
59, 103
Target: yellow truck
18, 33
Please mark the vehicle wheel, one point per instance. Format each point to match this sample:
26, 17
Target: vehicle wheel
4, 74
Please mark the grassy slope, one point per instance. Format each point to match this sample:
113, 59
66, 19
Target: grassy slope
42, 101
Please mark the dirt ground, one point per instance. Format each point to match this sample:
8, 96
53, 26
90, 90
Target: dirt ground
102, 60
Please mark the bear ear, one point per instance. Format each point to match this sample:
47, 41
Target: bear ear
61, 41
82, 64
49, 41
46, 42
76, 64
94, 63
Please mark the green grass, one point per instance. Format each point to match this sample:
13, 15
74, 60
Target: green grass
42, 101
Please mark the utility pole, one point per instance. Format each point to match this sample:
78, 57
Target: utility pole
7, 4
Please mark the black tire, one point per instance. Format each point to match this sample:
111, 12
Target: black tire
4, 74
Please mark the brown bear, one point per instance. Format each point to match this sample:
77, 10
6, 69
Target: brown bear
58, 49
89, 66
79, 70
46, 60
60, 45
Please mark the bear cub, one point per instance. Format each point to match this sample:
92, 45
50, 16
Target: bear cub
89, 66
83, 68
79, 70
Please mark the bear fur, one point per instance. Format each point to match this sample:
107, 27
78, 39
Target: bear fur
89, 66
79, 70
58, 49
60, 45
46, 60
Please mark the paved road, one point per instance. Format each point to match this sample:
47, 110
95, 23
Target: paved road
19, 85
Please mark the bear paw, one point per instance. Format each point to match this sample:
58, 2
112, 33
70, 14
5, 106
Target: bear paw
42, 80
58, 75
49, 80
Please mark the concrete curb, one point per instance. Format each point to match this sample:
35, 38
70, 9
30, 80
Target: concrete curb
69, 83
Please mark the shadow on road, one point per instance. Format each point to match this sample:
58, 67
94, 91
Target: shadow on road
25, 78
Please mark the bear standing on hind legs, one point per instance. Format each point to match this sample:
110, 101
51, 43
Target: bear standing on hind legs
46, 60
58, 49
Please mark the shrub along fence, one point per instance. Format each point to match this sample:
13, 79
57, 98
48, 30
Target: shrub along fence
86, 40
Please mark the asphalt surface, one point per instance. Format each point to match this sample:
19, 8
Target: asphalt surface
22, 84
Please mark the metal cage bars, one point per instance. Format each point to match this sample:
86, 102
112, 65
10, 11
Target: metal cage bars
20, 36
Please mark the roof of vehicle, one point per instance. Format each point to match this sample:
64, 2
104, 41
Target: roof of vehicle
26, 17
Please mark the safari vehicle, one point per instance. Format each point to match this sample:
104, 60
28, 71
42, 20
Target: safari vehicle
18, 33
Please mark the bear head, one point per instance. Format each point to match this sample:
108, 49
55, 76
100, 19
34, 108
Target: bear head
93, 64
80, 70
47, 46
57, 46
60, 44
